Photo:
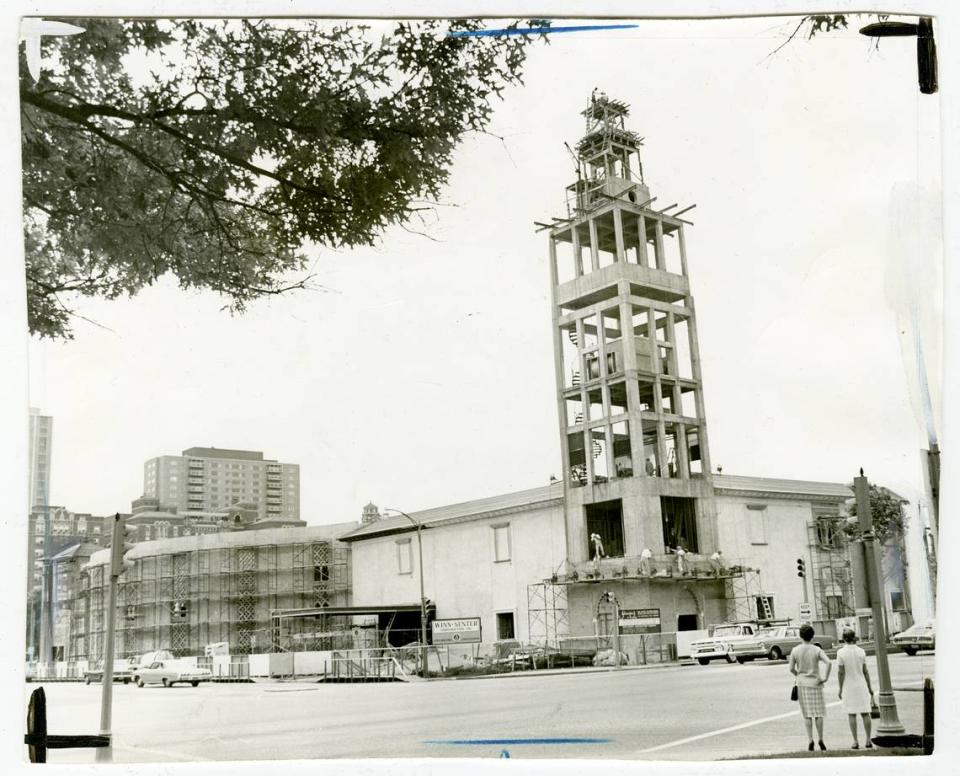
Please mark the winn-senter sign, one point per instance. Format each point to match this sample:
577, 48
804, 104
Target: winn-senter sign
465, 630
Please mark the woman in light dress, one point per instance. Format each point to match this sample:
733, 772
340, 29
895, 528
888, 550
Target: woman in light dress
805, 660
856, 691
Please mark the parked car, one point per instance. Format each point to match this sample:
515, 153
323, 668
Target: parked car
171, 672
147, 659
916, 637
728, 642
776, 642
122, 672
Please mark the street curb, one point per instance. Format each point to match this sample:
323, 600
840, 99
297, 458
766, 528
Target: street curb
558, 672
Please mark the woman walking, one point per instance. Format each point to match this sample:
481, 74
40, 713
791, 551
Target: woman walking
805, 660
856, 691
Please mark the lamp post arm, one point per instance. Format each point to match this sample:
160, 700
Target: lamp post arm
423, 598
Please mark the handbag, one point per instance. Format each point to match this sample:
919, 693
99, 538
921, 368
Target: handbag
795, 695
874, 709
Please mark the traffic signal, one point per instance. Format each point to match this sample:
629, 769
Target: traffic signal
180, 609
801, 568
120, 545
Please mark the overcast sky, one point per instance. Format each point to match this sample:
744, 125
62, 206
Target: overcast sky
424, 375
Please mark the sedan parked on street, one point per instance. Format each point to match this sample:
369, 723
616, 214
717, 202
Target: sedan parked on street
776, 642
915, 638
171, 672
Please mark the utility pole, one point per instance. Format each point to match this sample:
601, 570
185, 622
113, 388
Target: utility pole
889, 724
116, 567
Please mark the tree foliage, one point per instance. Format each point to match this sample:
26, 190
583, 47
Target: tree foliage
216, 150
889, 520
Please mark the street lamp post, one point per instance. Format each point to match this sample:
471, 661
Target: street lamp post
423, 598
889, 724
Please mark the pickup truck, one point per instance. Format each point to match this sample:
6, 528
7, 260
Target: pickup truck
729, 641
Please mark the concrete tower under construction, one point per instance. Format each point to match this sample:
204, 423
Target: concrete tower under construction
630, 398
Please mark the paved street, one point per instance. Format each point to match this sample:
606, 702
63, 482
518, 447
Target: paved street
678, 712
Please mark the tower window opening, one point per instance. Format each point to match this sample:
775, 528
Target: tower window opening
571, 356
574, 411
679, 520
651, 450
613, 363
654, 253
641, 337
662, 321
595, 402
664, 356
565, 259
590, 333
671, 446
688, 402
576, 460
666, 399
631, 235
622, 456
611, 325
671, 251
598, 451
694, 458
591, 365
606, 520
682, 350
618, 398
606, 240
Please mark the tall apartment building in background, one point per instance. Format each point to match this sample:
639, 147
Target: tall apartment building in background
40, 446
207, 479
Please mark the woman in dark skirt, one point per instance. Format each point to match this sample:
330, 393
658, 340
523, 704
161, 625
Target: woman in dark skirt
805, 660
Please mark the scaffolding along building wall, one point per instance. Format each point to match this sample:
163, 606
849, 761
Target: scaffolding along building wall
182, 594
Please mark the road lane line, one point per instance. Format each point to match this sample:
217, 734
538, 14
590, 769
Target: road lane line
741, 726
720, 732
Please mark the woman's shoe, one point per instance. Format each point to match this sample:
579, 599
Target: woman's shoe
810, 748
856, 745
869, 744
823, 746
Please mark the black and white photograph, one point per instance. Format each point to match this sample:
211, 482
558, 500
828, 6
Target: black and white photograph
401, 384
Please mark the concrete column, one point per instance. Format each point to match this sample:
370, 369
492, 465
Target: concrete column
661, 259
558, 367
554, 274
672, 351
626, 333
577, 258
698, 393
642, 237
681, 441
683, 250
594, 246
652, 334
618, 231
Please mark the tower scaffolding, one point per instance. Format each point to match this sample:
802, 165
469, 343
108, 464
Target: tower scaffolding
831, 573
547, 620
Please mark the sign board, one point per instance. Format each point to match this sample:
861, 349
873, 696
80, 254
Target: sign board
464, 630
634, 621
806, 613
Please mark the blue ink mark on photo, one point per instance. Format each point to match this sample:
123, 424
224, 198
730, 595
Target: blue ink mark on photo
537, 30
520, 741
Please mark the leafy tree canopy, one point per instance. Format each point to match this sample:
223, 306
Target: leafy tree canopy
889, 521
216, 150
